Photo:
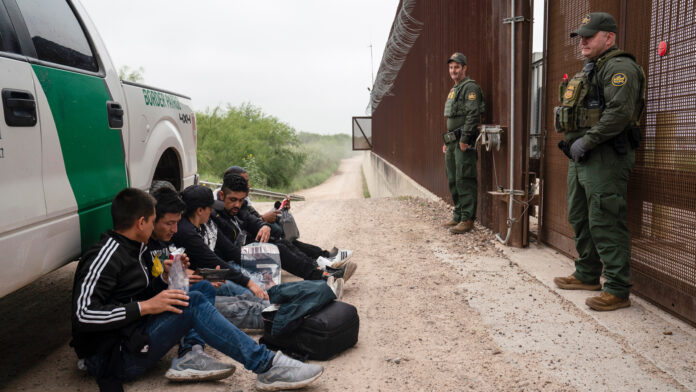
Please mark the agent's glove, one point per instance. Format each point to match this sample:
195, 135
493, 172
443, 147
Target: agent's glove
577, 151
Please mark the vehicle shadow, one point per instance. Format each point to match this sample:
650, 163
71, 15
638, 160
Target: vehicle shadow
34, 322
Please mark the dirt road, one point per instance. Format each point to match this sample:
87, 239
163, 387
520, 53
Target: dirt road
438, 313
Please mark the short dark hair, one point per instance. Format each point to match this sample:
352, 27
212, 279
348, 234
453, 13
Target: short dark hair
129, 205
168, 201
234, 170
195, 197
234, 183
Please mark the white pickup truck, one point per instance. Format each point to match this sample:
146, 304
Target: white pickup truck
72, 135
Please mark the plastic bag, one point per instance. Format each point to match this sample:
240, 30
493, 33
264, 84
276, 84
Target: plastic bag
289, 226
261, 263
178, 278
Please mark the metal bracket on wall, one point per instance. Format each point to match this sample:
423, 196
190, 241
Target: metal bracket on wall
489, 136
515, 19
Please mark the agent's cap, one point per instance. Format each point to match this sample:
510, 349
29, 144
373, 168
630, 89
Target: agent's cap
458, 57
594, 22
197, 196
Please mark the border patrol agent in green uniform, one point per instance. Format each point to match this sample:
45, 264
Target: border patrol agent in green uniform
599, 113
463, 110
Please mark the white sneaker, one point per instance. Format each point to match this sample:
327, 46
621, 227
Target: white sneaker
288, 373
349, 269
196, 365
323, 262
336, 286
341, 258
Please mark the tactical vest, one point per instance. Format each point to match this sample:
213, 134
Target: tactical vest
582, 101
455, 107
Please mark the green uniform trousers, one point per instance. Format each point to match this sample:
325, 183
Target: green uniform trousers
461, 178
597, 211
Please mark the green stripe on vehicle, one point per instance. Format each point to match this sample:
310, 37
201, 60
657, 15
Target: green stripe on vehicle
92, 152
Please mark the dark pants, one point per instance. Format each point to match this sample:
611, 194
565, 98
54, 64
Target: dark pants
597, 211
298, 263
310, 250
461, 178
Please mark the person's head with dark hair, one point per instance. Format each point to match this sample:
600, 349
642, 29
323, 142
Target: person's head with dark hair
158, 184
238, 170
234, 190
133, 213
199, 201
168, 213
235, 170
168, 202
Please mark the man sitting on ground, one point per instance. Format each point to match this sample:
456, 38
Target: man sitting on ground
235, 220
123, 322
197, 228
205, 248
192, 363
335, 255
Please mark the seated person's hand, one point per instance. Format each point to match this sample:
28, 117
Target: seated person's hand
165, 301
193, 278
264, 234
167, 265
258, 291
271, 216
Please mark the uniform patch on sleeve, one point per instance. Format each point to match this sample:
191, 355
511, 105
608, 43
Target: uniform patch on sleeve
471, 96
569, 92
451, 94
619, 79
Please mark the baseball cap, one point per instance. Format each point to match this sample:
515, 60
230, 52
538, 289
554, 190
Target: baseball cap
458, 57
594, 22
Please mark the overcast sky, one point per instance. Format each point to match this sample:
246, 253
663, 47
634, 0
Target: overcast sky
306, 62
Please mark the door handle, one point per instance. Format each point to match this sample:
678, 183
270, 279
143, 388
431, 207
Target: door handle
115, 114
19, 107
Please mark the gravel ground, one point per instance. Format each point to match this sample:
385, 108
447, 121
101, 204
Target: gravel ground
438, 312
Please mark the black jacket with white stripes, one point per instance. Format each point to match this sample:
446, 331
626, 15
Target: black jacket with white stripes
111, 277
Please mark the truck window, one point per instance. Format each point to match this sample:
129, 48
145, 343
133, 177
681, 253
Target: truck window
57, 34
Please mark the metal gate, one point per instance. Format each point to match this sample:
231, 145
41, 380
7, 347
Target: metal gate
662, 190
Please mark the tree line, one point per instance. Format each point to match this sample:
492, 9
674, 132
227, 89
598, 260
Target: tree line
276, 156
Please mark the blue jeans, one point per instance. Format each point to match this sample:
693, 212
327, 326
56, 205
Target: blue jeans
231, 289
192, 338
166, 329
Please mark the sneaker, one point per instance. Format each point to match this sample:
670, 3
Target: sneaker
336, 285
341, 258
345, 272
573, 283
349, 268
288, 373
196, 365
333, 252
605, 302
323, 262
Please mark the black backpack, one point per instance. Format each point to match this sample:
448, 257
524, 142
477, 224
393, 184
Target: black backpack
320, 336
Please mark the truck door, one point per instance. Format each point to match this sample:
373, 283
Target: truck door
76, 110
20, 139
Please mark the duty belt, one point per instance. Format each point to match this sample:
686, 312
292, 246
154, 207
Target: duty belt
452, 136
